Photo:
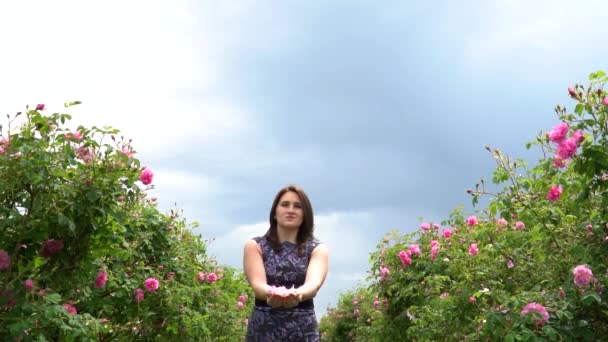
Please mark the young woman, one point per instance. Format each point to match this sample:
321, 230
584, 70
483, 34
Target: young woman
286, 268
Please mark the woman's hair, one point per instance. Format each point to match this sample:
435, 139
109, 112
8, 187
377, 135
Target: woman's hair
305, 232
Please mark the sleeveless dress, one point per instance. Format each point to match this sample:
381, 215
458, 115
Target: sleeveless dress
285, 268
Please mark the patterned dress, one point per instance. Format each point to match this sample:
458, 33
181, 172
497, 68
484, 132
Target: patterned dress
285, 268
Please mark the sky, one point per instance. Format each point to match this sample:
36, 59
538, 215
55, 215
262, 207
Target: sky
380, 111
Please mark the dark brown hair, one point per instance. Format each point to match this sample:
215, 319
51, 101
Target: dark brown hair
305, 232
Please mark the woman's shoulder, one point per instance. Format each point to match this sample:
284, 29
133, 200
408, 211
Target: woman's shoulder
314, 242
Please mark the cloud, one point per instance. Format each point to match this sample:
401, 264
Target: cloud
133, 72
532, 33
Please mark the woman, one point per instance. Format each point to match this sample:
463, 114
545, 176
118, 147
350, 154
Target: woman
286, 268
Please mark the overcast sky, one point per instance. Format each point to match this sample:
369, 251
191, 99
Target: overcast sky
379, 110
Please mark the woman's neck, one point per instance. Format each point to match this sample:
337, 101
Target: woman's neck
290, 235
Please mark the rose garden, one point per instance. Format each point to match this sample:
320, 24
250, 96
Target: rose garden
86, 255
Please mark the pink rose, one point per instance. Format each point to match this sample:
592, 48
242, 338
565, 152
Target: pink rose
425, 226
71, 309
582, 275
151, 284
146, 176
558, 133
415, 249
5, 260
139, 295
240, 305
519, 225
567, 148
40, 106
534, 307
201, 277
502, 222
572, 92
405, 258
473, 250
472, 299
434, 249
51, 247
559, 162
101, 280
127, 152
605, 101
447, 233
29, 285
211, 278
472, 220
554, 193
384, 272
578, 136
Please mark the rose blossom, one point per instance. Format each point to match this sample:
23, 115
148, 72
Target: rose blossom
211, 278
582, 275
51, 247
425, 226
554, 193
434, 249
415, 249
146, 176
535, 307
502, 222
473, 249
5, 260
447, 233
559, 162
139, 295
28, 284
71, 309
558, 133
384, 272
472, 220
519, 225
151, 284
578, 136
201, 277
405, 258
566, 148
100, 281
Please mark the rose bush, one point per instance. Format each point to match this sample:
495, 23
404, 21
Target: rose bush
530, 266
85, 254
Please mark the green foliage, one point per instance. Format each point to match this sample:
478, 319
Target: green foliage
83, 189
527, 245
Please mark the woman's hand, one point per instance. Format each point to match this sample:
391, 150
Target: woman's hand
274, 300
293, 299
282, 297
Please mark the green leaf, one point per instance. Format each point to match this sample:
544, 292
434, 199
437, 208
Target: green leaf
590, 298
53, 298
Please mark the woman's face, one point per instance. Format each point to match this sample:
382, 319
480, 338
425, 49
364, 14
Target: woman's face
289, 213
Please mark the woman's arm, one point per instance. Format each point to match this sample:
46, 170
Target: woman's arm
316, 273
253, 266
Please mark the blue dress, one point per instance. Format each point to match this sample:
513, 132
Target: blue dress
287, 269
